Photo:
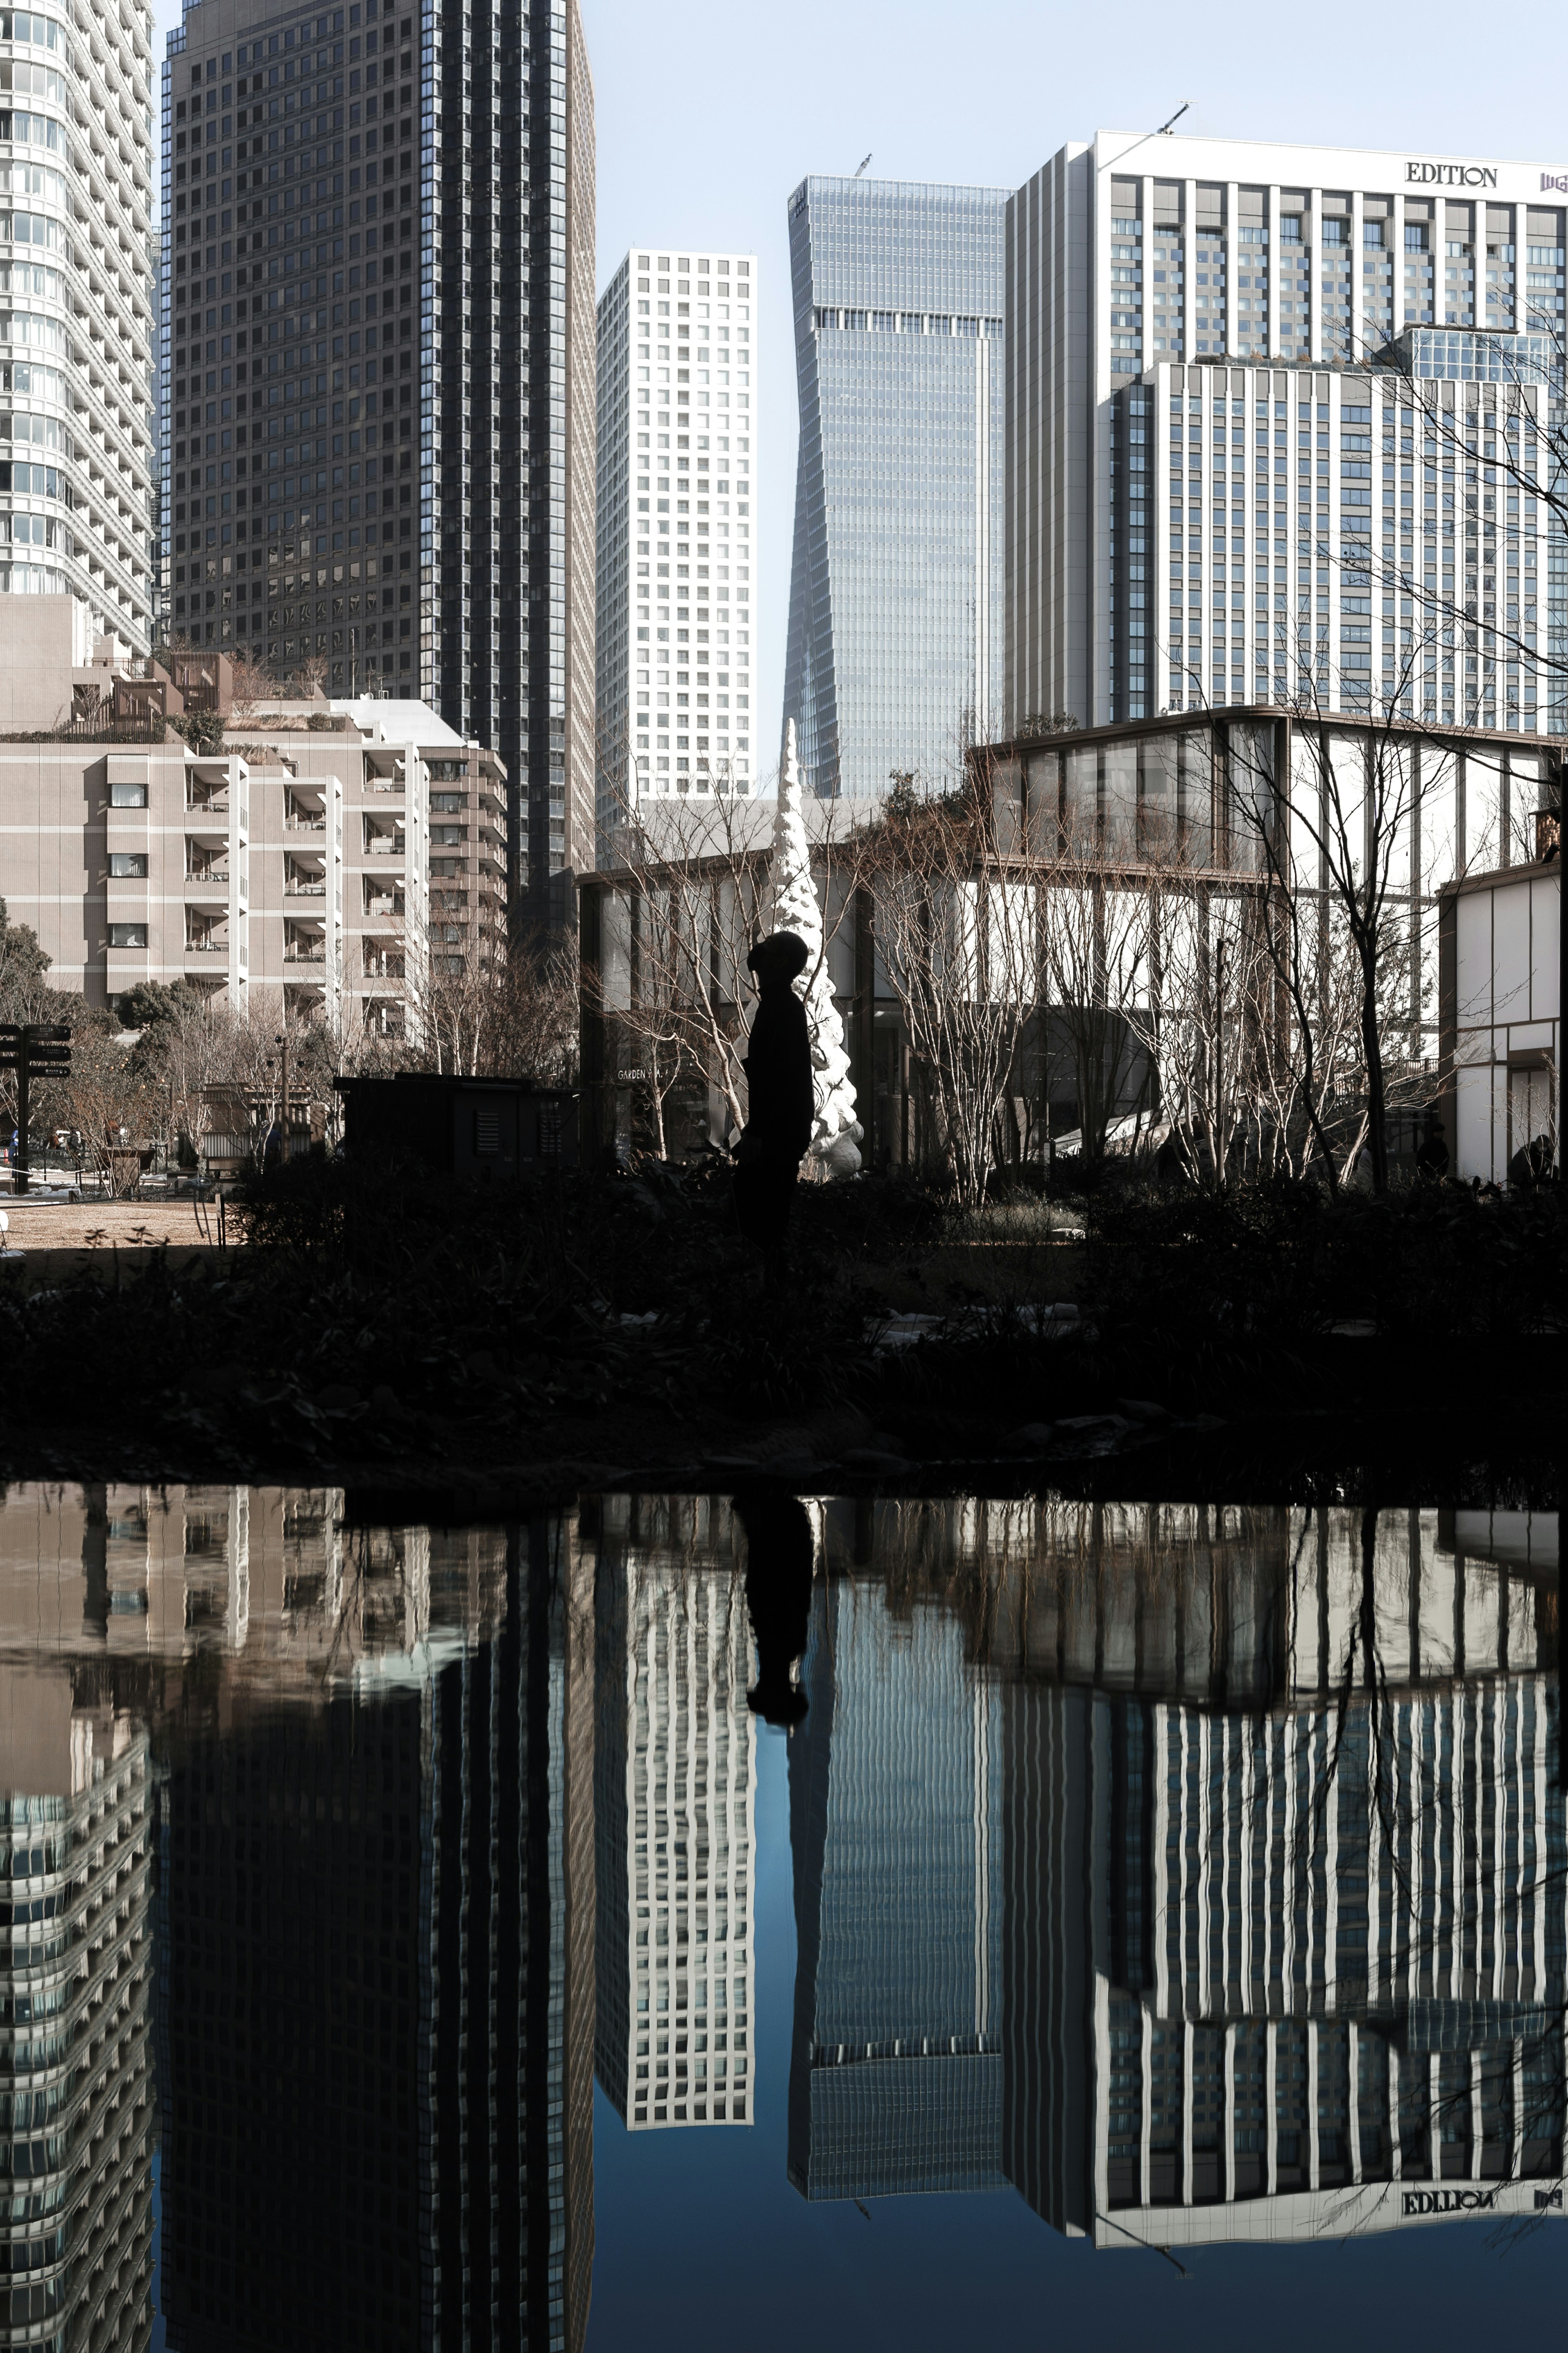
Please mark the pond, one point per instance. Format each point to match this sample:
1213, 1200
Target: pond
677, 1919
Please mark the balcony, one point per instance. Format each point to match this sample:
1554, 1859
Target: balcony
302, 952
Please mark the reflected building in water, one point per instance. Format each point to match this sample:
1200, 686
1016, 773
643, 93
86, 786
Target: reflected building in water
376, 1995
896, 2072
676, 1787
76, 2100
1285, 1876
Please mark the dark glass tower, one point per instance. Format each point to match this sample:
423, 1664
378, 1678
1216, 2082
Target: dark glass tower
378, 365
376, 1995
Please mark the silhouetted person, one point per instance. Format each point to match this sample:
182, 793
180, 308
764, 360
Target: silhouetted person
779, 1552
1531, 1165
779, 1109
1432, 1153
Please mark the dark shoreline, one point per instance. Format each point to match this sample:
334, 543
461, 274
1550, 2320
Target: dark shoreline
1505, 1455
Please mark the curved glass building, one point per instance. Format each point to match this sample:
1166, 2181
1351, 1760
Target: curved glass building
894, 662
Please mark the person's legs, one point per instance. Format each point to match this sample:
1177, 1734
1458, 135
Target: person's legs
764, 1194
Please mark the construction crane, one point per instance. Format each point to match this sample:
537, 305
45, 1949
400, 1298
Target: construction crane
860, 167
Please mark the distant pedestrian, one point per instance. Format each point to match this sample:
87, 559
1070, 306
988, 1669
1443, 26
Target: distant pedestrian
780, 1555
1432, 1152
780, 1107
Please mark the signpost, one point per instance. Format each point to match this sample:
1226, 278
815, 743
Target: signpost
33, 1051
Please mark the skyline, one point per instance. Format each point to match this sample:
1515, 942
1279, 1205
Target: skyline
924, 108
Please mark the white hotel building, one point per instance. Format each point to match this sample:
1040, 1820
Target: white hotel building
678, 406
1306, 1829
1252, 392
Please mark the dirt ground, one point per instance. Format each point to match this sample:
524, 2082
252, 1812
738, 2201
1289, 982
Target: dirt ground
105, 1224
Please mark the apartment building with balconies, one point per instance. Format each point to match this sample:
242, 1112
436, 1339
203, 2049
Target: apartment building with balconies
295, 859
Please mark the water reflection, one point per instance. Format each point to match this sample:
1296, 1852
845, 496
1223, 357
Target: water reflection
1198, 1875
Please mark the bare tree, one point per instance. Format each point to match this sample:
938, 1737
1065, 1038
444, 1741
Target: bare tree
691, 873
959, 936
1332, 840
1096, 904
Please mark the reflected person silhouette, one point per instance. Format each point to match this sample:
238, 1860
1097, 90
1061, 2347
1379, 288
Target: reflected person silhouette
779, 1101
780, 1554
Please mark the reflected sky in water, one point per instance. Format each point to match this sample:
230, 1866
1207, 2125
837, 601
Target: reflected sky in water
415, 1936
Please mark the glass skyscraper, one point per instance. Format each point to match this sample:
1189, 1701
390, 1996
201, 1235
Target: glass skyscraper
896, 2072
894, 660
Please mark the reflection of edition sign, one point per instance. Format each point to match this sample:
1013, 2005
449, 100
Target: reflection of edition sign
1449, 2201
1451, 175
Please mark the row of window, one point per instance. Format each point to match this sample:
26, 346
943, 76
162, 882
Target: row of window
1336, 234
908, 322
27, 24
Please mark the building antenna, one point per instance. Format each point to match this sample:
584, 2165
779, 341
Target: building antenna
864, 161
1163, 133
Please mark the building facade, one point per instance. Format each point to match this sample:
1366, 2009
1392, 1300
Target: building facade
894, 657
377, 350
77, 358
1250, 390
1499, 947
675, 1817
343, 858
676, 523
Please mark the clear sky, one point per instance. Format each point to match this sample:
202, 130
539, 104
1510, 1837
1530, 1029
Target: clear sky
709, 113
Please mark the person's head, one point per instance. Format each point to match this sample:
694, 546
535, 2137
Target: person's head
777, 960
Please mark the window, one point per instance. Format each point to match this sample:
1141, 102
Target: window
1414, 236
127, 796
129, 864
128, 935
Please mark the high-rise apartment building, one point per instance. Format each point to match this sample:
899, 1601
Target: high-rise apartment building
76, 356
675, 1817
1252, 395
678, 422
377, 350
894, 659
